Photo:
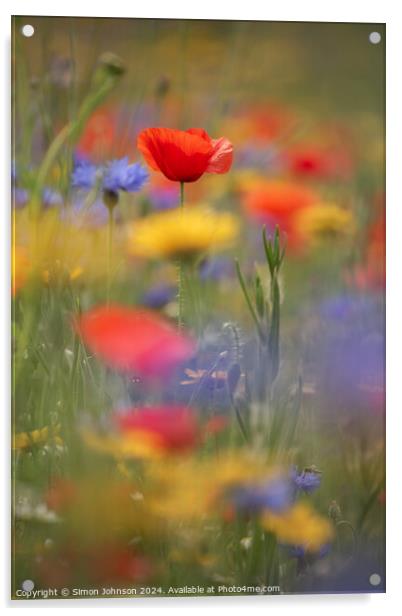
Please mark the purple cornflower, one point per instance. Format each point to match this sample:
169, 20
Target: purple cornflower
299, 551
113, 177
349, 353
120, 175
216, 269
275, 495
158, 296
20, 197
307, 481
342, 309
51, 197
84, 175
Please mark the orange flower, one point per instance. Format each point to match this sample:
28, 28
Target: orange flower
184, 156
135, 341
278, 202
20, 269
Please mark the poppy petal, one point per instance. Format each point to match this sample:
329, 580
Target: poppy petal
134, 341
222, 157
184, 156
181, 156
175, 428
201, 133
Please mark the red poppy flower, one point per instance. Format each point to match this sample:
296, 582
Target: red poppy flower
170, 428
117, 564
104, 564
99, 134
184, 155
105, 136
134, 341
371, 274
61, 494
276, 203
318, 162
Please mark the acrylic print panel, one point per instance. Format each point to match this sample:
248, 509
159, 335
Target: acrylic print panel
198, 308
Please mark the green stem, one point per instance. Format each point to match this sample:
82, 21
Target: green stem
248, 301
109, 253
72, 131
180, 298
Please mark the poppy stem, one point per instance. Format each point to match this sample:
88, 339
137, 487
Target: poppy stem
182, 194
180, 299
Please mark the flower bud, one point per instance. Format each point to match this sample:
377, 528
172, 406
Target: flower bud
334, 511
112, 64
110, 199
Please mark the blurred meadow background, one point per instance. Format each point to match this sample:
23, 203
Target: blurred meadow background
198, 363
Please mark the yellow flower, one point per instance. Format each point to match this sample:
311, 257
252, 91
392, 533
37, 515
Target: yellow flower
52, 249
142, 445
193, 489
248, 179
325, 221
102, 508
299, 526
25, 440
182, 233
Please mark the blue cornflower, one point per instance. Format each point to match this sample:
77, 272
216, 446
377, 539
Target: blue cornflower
120, 175
20, 196
342, 308
114, 176
276, 495
84, 175
51, 197
299, 551
158, 296
350, 353
215, 269
307, 481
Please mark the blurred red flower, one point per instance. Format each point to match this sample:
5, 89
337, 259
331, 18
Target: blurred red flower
318, 162
371, 274
134, 341
61, 494
114, 564
184, 156
55, 570
270, 121
276, 202
216, 424
170, 428
261, 123
103, 564
105, 136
